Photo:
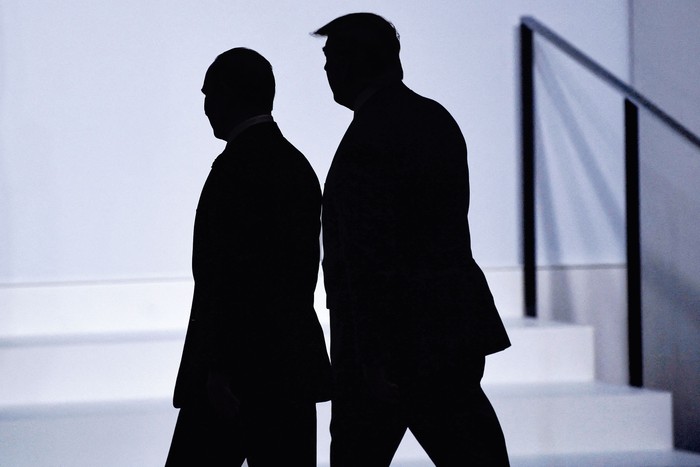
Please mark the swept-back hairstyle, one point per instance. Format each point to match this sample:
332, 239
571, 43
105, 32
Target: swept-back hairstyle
366, 36
244, 75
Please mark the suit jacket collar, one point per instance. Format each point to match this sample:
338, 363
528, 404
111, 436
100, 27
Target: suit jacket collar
248, 139
245, 124
375, 92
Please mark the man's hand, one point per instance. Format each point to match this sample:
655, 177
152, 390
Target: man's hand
222, 399
379, 385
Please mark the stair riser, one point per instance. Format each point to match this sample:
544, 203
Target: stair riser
74, 371
585, 423
544, 355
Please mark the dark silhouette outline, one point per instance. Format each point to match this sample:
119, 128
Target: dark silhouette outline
412, 316
254, 362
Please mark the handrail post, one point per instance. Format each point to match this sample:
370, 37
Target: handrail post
527, 109
634, 276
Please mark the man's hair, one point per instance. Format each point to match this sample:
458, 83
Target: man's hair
244, 75
368, 36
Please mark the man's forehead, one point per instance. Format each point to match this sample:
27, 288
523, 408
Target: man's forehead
333, 46
328, 47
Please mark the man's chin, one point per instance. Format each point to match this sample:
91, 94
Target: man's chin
219, 134
343, 101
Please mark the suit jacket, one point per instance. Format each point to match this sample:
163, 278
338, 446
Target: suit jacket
402, 286
255, 265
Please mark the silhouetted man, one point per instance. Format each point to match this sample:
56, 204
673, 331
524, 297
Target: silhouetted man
411, 313
254, 362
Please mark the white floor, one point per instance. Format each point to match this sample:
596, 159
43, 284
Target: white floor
615, 459
628, 459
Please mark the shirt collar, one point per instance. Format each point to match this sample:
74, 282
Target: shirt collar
245, 124
364, 97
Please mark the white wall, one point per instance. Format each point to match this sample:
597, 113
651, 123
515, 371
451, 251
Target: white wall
104, 145
666, 66
579, 163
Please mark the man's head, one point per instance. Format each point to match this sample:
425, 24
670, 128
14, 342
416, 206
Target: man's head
238, 85
361, 49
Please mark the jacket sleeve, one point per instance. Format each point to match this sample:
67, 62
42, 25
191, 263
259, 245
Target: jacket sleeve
227, 265
366, 230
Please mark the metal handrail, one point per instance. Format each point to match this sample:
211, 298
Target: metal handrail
633, 100
595, 68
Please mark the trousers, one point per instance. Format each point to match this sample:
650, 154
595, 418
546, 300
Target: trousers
265, 433
446, 410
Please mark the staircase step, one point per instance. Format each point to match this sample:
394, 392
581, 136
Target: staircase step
543, 352
604, 459
75, 309
646, 458
90, 370
539, 419
582, 418
543, 423
134, 433
71, 368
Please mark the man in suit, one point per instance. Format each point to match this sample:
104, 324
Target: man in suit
254, 362
412, 317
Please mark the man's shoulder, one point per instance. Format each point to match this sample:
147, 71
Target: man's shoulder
401, 104
405, 114
253, 147
428, 108
264, 153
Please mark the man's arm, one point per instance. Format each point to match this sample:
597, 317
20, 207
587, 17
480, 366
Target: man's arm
227, 255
